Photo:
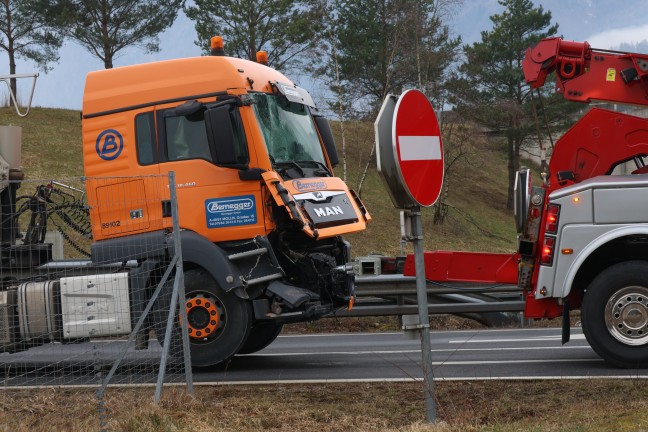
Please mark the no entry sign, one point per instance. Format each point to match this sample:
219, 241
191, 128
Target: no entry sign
410, 151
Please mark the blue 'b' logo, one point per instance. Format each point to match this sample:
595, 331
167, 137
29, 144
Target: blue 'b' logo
109, 144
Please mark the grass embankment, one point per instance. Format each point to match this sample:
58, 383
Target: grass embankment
592, 406
51, 144
474, 189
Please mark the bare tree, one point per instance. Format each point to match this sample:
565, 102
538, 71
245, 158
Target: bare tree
25, 32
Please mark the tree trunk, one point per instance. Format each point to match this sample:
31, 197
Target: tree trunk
12, 70
108, 54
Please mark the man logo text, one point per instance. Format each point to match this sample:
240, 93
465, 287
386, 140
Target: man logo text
328, 211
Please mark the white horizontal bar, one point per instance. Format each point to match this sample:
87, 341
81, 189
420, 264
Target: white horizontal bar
420, 148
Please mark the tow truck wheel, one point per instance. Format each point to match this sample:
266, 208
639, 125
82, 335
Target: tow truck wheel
261, 335
615, 314
218, 322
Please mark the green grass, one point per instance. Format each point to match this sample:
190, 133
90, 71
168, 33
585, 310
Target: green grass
475, 190
51, 145
478, 406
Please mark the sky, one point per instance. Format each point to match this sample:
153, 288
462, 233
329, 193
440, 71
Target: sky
604, 24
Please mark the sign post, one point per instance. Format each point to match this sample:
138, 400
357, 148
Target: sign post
410, 162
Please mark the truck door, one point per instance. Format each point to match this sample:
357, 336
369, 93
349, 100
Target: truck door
213, 201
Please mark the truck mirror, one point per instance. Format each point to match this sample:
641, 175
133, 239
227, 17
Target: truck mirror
220, 133
325, 132
186, 109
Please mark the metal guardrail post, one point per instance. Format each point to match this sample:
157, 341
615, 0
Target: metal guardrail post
424, 319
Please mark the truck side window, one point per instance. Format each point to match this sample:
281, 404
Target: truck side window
145, 138
186, 137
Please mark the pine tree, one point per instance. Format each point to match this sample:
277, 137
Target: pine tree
492, 91
286, 29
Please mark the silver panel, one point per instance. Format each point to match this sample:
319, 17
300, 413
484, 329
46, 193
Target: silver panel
621, 205
7, 317
35, 310
603, 182
385, 158
95, 305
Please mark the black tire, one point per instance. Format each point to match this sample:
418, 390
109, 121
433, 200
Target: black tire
209, 347
615, 314
261, 335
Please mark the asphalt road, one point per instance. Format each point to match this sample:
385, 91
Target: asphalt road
456, 355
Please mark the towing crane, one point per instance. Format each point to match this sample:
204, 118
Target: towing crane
584, 233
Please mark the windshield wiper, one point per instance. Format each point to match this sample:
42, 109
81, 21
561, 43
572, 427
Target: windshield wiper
319, 164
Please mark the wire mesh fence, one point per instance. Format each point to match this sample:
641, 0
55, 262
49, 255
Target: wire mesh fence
91, 276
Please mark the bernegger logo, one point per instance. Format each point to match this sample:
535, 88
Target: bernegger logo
309, 185
230, 205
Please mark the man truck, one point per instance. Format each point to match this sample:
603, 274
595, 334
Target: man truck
261, 213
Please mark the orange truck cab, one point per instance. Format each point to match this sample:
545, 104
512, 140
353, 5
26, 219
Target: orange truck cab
260, 211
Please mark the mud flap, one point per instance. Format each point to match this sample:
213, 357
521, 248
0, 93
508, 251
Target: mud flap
565, 323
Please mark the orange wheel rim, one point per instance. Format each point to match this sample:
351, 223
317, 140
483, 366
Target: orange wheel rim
202, 316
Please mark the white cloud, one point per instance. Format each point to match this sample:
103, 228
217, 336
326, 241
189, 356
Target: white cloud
613, 39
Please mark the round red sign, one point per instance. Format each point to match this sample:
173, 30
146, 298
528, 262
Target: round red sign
418, 148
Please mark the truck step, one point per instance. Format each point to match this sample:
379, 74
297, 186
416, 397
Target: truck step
265, 278
247, 254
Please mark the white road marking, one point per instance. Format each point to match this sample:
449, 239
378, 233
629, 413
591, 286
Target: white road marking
410, 351
532, 339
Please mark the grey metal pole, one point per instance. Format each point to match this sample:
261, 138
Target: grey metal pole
179, 285
177, 299
424, 320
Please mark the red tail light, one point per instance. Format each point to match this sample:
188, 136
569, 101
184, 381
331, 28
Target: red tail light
551, 223
547, 253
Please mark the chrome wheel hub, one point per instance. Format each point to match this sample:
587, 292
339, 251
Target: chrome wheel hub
626, 315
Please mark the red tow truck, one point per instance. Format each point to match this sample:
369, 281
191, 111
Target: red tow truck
583, 234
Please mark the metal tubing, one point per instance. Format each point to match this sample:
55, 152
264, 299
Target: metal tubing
424, 320
360, 309
393, 285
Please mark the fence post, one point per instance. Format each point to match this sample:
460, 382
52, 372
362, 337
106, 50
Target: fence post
177, 299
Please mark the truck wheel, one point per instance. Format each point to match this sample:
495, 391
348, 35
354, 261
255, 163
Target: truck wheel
261, 335
615, 314
218, 322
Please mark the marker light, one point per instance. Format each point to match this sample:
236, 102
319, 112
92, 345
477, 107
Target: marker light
567, 251
546, 257
262, 57
576, 200
217, 46
553, 213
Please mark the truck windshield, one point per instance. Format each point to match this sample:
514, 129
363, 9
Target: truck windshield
288, 130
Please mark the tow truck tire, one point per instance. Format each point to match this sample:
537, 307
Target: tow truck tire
261, 335
615, 314
218, 322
